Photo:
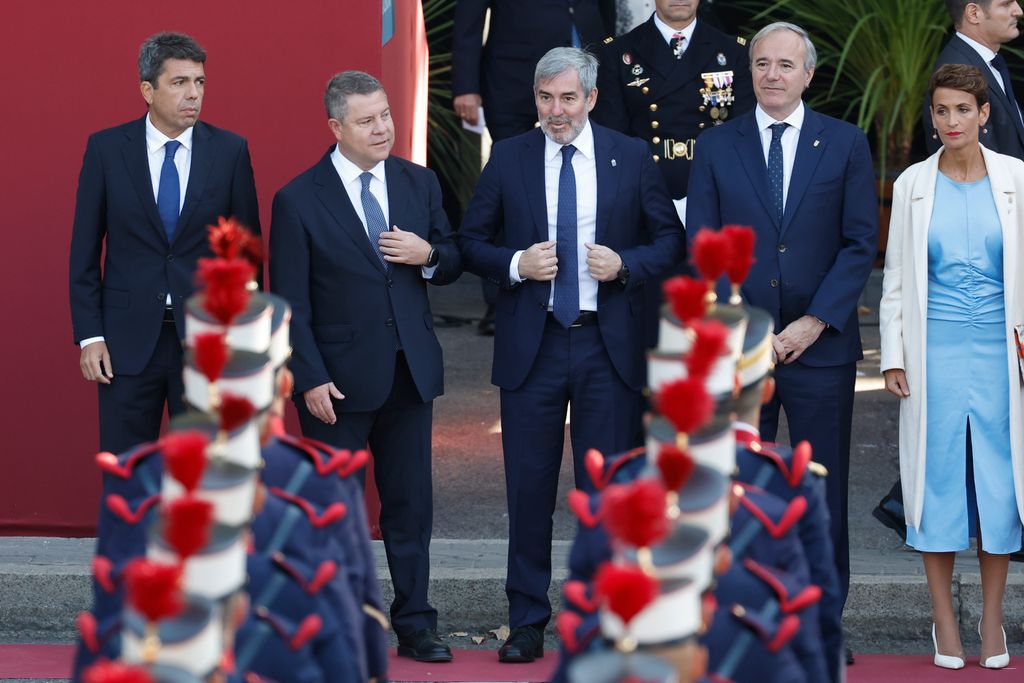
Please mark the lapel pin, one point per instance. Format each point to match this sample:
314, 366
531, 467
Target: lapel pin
613, 162
721, 59
817, 142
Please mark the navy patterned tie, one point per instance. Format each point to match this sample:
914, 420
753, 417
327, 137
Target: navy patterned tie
567, 283
678, 44
775, 168
168, 192
375, 223
1000, 64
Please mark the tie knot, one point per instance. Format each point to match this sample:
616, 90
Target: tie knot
778, 129
567, 153
365, 177
171, 147
677, 36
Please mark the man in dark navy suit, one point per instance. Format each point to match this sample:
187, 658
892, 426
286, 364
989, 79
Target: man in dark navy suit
586, 221
146, 193
804, 181
354, 241
982, 27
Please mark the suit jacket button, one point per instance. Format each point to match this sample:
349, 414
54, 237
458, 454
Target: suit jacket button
774, 283
170, 257
161, 296
782, 248
391, 283
390, 322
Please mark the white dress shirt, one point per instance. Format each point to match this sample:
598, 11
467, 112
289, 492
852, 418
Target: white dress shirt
667, 31
986, 55
584, 167
349, 174
790, 139
155, 153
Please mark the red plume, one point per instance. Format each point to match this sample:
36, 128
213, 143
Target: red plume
115, 672
225, 281
88, 630
686, 296
709, 343
711, 253
741, 239
234, 412
227, 238
625, 591
635, 513
154, 588
685, 402
252, 251
593, 461
675, 466
187, 525
210, 350
185, 456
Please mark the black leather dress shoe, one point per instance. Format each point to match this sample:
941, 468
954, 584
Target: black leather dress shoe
524, 644
424, 646
889, 511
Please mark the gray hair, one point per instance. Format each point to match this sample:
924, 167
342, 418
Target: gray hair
810, 54
560, 59
160, 47
344, 84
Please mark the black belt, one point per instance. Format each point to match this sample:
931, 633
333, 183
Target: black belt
169, 314
586, 318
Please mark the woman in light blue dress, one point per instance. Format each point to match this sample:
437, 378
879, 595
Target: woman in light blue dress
968, 488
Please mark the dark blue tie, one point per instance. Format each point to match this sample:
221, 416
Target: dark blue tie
775, 178
1000, 64
575, 35
168, 193
375, 223
567, 283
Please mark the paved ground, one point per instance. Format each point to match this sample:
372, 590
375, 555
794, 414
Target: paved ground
43, 581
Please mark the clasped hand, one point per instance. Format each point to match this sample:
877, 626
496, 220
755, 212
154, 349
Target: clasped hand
794, 340
540, 263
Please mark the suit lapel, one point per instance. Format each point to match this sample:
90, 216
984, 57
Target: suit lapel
198, 175
333, 196
655, 52
751, 154
922, 199
607, 180
398, 195
137, 160
809, 151
533, 179
1004, 194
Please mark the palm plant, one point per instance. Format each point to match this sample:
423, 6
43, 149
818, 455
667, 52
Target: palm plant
453, 152
877, 55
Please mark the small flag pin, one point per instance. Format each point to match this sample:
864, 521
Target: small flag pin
613, 162
817, 142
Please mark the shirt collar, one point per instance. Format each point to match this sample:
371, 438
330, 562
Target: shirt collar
982, 50
667, 31
584, 144
155, 139
795, 119
348, 171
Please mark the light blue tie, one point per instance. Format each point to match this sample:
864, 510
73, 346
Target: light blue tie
168, 192
775, 178
375, 223
567, 283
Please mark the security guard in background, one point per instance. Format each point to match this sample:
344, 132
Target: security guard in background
666, 81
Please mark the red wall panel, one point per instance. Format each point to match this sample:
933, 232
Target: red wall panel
71, 70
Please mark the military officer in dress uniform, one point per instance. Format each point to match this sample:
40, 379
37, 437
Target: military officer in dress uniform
667, 81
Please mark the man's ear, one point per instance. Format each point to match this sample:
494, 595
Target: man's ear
146, 88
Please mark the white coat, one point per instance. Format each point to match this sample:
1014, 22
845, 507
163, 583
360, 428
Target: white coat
904, 307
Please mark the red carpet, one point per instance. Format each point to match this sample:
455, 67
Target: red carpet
54, 661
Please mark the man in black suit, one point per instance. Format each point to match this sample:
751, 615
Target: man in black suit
367, 364
146, 193
982, 27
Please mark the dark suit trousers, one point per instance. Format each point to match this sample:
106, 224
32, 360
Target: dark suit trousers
818, 403
571, 366
398, 434
132, 407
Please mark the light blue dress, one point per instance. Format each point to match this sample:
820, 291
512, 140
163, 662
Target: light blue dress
968, 386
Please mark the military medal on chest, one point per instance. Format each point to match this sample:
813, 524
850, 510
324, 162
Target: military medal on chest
717, 94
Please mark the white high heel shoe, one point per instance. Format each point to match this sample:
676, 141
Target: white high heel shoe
998, 661
947, 661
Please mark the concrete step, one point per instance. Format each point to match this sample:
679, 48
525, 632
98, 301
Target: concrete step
45, 582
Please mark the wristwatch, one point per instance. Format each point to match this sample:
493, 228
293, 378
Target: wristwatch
432, 259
